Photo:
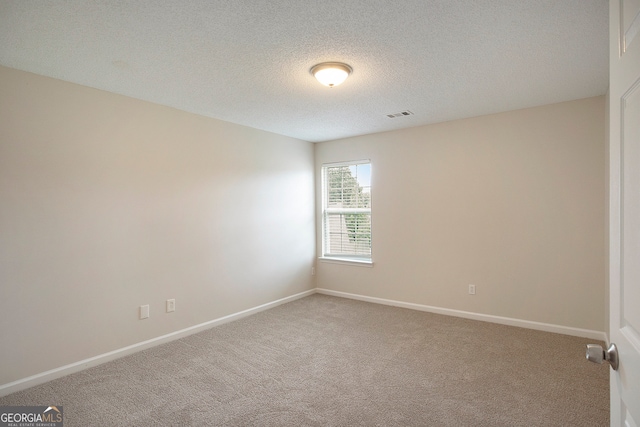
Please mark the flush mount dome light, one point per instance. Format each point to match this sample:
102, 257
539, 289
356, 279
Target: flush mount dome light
331, 73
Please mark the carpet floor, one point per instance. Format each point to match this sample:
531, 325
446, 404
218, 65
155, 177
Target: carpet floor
327, 361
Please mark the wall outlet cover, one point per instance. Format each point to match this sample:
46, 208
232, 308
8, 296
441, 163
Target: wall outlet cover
144, 311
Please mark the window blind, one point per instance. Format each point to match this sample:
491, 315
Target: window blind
347, 210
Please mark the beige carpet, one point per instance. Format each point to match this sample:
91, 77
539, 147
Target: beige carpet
326, 361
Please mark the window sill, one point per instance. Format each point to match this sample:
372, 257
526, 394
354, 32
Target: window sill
347, 261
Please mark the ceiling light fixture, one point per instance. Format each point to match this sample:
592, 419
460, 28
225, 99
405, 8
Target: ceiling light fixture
331, 73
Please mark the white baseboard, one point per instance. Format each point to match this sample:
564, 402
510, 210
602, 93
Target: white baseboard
52, 374
547, 327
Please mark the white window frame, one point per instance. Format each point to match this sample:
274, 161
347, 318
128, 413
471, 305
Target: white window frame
362, 259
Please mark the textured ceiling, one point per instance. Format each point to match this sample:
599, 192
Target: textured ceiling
248, 62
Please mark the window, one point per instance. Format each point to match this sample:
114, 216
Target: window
346, 211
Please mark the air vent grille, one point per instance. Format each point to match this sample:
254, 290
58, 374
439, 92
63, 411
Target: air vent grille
400, 114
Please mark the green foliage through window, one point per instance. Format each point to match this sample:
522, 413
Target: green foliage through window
347, 210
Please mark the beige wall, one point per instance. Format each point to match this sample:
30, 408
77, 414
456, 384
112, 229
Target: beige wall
107, 203
511, 202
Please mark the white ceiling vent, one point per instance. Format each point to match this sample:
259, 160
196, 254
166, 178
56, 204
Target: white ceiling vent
400, 114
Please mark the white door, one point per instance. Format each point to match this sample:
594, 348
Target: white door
624, 209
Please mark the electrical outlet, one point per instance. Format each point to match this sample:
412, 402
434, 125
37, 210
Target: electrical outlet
171, 305
313, 271
144, 311
472, 289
